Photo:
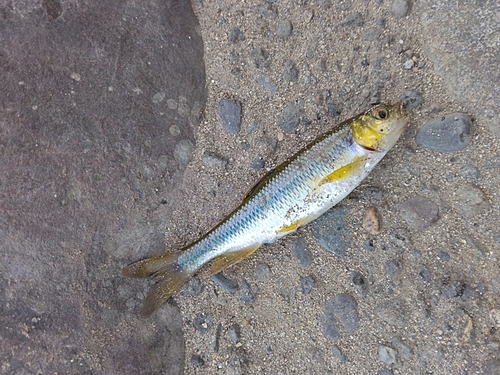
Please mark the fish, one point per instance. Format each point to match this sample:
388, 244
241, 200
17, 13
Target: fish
295, 193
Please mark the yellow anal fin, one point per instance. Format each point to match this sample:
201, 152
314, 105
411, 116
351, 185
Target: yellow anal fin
292, 227
343, 172
227, 260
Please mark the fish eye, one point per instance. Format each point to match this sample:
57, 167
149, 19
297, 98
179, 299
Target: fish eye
381, 113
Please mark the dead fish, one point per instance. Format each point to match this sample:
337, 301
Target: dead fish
298, 191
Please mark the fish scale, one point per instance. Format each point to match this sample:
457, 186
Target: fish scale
295, 193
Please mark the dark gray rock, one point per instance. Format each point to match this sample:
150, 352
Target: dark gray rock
387, 354
258, 163
234, 333
419, 212
303, 256
91, 166
213, 160
289, 118
197, 361
263, 272
394, 312
203, 322
236, 36
411, 100
290, 71
345, 308
284, 29
331, 232
425, 274
393, 267
454, 288
228, 285
248, 293
400, 8
230, 114
332, 109
338, 353
470, 172
450, 133
359, 282
328, 324
443, 255
353, 20
306, 284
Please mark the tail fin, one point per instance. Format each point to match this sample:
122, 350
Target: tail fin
170, 277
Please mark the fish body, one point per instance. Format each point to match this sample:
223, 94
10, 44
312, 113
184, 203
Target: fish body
295, 193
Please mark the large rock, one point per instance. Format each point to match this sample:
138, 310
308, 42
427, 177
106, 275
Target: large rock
97, 126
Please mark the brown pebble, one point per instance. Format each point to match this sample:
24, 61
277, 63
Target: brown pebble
371, 222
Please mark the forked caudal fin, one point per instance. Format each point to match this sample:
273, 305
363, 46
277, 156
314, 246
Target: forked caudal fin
170, 278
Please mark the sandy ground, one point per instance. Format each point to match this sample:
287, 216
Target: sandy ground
436, 312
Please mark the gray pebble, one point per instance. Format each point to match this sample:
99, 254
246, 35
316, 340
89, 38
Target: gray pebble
370, 35
259, 57
247, 293
400, 237
443, 255
197, 361
193, 287
234, 333
218, 332
265, 81
359, 283
235, 36
306, 283
386, 354
419, 212
411, 100
469, 293
353, 20
425, 274
303, 256
394, 312
470, 201
454, 288
393, 267
252, 126
290, 71
400, 8
331, 232
369, 245
381, 22
213, 160
385, 372
284, 29
446, 134
289, 118
404, 351
332, 109
183, 152
338, 353
203, 323
344, 307
409, 64
228, 285
373, 193
470, 172
230, 114
328, 324
263, 272
258, 163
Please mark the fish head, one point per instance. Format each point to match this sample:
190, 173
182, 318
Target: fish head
379, 128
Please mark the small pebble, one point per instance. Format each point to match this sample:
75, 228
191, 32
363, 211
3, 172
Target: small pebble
446, 134
266, 82
393, 267
234, 333
411, 100
259, 57
387, 354
218, 333
284, 29
353, 20
331, 232
344, 307
470, 201
385, 372
213, 160
228, 285
203, 323
235, 36
419, 212
332, 109
400, 237
443, 255
252, 126
373, 193
409, 64
197, 361
454, 288
400, 8
258, 164
369, 245
306, 283
470, 172
289, 118
370, 35
403, 350
263, 272
425, 274
290, 71
359, 283
338, 353
248, 293
230, 114
371, 221
303, 256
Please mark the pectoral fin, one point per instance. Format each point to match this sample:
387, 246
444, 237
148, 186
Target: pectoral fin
227, 260
343, 172
292, 227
